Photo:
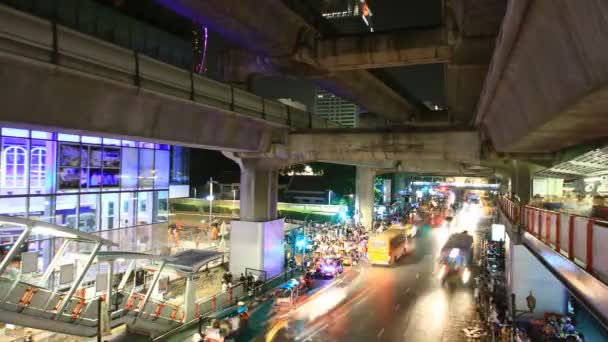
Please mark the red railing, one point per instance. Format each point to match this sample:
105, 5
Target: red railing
581, 239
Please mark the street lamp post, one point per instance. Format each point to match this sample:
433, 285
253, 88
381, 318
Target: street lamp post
329, 196
530, 302
210, 198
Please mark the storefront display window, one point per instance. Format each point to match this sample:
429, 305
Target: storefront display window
70, 157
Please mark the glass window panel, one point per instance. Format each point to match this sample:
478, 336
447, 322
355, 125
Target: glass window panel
161, 169
66, 210
41, 208
146, 144
146, 168
114, 142
91, 140
163, 147
145, 207
129, 168
162, 206
13, 206
15, 132
88, 215
42, 135
42, 166
129, 143
13, 166
110, 208
68, 137
68, 179
128, 209
180, 165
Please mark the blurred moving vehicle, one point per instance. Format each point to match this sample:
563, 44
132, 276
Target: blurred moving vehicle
329, 269
409, 229
387, 247
224, 325
455, 258
287, 294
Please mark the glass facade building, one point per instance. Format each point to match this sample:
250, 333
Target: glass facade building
89, 183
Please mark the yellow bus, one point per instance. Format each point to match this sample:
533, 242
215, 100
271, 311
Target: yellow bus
408, 228
387, 247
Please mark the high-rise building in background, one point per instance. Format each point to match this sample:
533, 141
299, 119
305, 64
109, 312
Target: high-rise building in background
335, 108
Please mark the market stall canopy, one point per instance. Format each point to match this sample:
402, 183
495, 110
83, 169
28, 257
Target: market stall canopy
192, 260
122, 255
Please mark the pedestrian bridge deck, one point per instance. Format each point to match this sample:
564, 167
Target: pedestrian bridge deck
590, 291
571, 246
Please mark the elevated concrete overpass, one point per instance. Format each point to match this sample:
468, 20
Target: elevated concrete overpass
66, 80
546, 89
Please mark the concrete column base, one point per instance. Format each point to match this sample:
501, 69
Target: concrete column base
525, 275
257, 245
190, 299
364, 200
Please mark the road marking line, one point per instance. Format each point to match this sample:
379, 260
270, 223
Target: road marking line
407, 290
380, 333
417, 275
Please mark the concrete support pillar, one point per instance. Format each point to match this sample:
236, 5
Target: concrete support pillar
258, 192
364, 200
522, 180
256, 241
190, 298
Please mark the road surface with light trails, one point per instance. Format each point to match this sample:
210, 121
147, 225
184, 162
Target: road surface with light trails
401, 303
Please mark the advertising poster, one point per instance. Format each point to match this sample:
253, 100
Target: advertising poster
68, 178
94, 156
111, 158
69, 155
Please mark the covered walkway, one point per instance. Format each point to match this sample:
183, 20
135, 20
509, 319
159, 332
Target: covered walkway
572, 247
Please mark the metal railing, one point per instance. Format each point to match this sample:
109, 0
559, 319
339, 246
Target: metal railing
23, 35
231, 297
579, 238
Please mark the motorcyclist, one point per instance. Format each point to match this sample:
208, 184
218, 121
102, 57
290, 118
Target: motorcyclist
308, 280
